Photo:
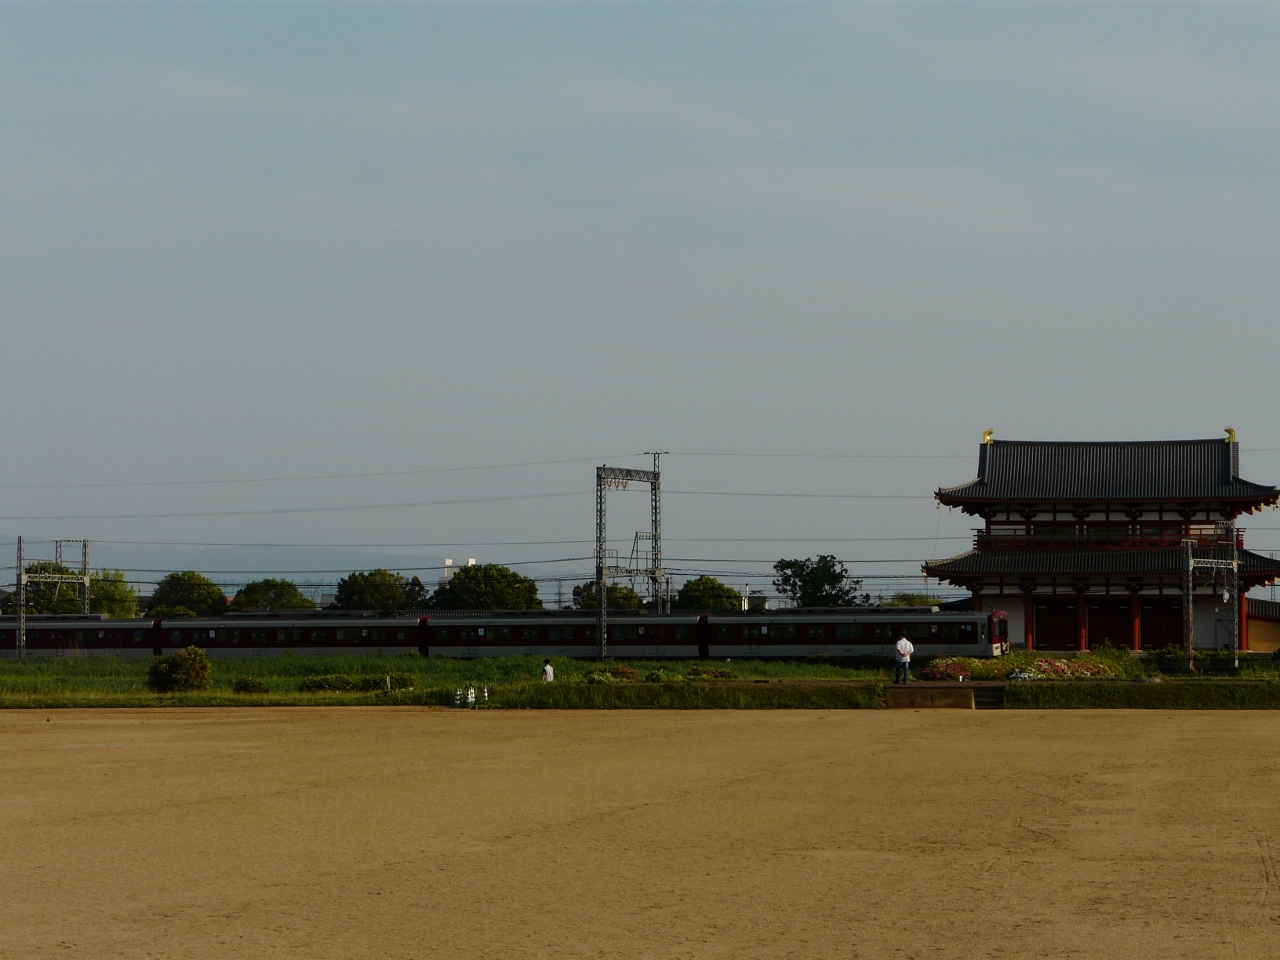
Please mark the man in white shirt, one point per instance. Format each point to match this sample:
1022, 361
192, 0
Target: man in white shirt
902, 660
548, 672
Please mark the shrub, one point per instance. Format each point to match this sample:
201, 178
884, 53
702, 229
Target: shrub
330, 683
656, 676
249, 685
180, 672
710, 673
391, 681
612, 674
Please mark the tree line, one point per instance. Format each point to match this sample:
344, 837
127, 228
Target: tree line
812, 582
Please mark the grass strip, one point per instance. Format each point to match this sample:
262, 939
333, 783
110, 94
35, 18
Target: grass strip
529, 696
1168, 695
689, 696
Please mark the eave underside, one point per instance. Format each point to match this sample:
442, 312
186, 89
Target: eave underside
1014, 566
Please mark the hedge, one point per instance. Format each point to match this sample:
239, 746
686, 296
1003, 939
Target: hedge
719, 695
1167, 695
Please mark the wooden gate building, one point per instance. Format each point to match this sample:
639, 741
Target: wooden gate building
1082, 544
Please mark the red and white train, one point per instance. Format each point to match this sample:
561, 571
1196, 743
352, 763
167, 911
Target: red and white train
846, 632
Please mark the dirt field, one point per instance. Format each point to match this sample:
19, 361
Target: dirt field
337, 833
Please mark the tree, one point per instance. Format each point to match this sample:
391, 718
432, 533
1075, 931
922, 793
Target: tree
269, 595
707, 593
910, 600
187, 594
818, 583
48, 598
111, 594
487, 586
620, 597
380, 590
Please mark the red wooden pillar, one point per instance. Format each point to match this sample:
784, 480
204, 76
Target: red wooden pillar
1029, 620
1244, 620
1082, 620
977, 602
1135, 621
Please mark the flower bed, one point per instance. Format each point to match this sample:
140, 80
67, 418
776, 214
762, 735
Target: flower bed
1023, 668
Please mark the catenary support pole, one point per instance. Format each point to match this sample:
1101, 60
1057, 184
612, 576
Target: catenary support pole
602, 580
20, 590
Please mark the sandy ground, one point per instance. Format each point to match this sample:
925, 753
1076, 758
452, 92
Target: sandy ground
318, 833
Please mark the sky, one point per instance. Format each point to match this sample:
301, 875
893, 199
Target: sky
261, 264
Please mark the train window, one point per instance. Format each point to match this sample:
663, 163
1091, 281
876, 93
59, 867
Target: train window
230, 636
259, 635
726, 632
498, 634
177, 636
843, 631
560, 634
137, 636
319, 634
948, 631
286, 636
400, 633
588, 634
682, 631
919, 630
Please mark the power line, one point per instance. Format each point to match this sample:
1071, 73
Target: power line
804, 496
504, 543
331, 476
283, 510
443, 503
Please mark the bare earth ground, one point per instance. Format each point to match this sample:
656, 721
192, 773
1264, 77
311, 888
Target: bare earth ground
318, 833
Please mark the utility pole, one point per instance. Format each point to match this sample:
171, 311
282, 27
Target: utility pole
655, 519
21, 591
1230, 569
619, 477
25, 577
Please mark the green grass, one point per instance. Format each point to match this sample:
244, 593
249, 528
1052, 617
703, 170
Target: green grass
513, 682
1169, 695
728, 695
119, 675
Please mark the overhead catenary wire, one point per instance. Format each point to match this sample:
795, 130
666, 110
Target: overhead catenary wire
276, 511
497, 543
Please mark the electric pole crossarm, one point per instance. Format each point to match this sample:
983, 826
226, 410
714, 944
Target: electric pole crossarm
621, 473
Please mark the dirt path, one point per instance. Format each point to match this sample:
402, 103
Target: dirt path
351, 833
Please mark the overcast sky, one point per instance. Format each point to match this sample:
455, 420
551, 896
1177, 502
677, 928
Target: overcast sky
241, 242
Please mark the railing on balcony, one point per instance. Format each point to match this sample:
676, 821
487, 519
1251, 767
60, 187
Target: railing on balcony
1110, 538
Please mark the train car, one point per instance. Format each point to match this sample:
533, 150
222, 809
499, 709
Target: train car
847, 632
559, 634
857, 631
74, 635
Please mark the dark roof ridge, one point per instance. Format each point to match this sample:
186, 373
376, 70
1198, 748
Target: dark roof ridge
1108, 470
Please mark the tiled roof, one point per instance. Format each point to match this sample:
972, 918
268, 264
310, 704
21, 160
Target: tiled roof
1168, 470
1014, 563
1264, 609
